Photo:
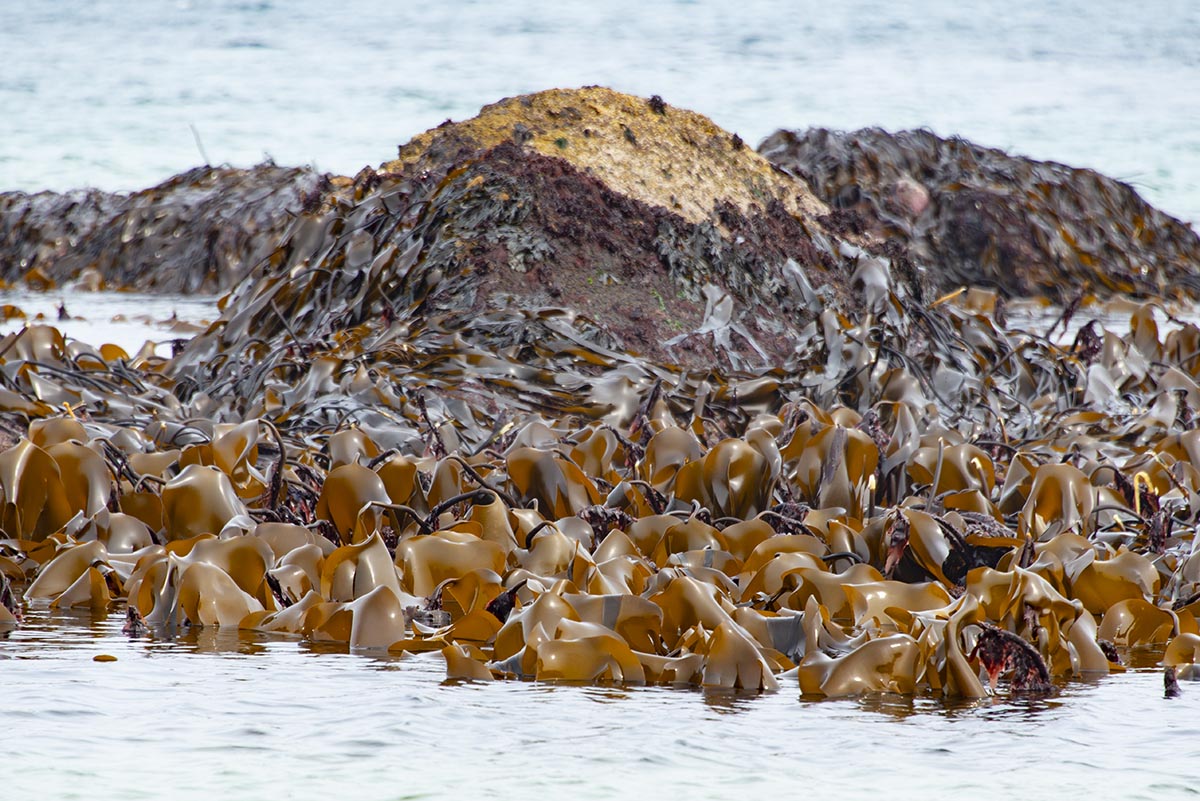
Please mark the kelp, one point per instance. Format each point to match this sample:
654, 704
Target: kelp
903, 497
202, 230
978, 216
670, 532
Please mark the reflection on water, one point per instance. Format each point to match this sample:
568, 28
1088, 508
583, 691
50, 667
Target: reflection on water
212, 640
241, 711
729, 701
897, 706
1020, 707
1144, 657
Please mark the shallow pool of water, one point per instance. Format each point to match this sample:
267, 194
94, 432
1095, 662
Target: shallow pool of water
265, 717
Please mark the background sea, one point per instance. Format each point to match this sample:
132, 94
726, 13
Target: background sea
107, 94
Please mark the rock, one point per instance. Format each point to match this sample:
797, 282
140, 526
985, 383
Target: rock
200, 231
674, 158
642, 231
977, 216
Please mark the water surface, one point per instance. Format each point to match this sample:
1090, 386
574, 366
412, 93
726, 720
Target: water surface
260, 716
104, 93
126, 319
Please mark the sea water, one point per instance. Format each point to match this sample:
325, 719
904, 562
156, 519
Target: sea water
121, 95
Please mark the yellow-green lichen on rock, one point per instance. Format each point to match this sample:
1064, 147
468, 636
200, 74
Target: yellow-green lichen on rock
652, 152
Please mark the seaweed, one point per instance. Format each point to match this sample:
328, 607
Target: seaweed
418, 426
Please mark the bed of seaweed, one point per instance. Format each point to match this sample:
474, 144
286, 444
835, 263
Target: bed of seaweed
984, 216
909, 495
200, 231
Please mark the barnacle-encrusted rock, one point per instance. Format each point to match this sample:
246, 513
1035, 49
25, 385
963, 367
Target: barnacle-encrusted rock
645, 150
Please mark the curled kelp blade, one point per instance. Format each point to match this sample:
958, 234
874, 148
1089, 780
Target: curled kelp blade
35, 499
199, 500
346, 499
352, 571
592, 655
209, 596
1134, 622
428, 560
1061, 496
734, 661
733, 480
72, 561
461, 664
557, 485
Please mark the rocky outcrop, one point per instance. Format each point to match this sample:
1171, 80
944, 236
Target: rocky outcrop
200, 231
638, 216
646, 227
449, 411
978, 216
644, 149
